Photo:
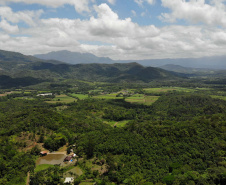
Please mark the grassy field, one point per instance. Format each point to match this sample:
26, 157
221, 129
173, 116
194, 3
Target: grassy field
107, 96
75, 170
150, 99
11, 92
136, 98
86, 183
62, 99
142, 99
80, 96
219, 97
118, 124
166, 89
42, 167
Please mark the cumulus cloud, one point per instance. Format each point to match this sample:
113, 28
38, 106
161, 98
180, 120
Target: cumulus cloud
108, 24
140, 2
80, 5
106, 34
195, 11
8, 27
29, 17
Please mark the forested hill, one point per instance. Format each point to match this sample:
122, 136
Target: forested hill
9, 56
16, 65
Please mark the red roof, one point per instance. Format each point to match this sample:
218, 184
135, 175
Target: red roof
43, 152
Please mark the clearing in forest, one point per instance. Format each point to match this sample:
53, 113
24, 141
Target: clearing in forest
63, 98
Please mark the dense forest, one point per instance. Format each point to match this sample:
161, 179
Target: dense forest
179, 139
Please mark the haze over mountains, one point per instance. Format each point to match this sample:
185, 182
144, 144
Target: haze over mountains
17, 70
74, 57
215, 62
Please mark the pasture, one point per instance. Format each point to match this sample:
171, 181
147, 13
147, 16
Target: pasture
167, 89
79, 96
219, 97
142, 99
62, 99
107, 96
117, 123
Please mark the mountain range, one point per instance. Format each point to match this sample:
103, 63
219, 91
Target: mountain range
74, 57
16, 68
214, 62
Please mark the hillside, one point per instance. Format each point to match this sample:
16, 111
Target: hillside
188, 70
9, 56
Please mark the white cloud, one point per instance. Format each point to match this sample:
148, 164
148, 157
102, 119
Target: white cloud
122, 38
134, 13
7, 27
28, 17
80, 5
195, 11
108, 24
111, 1
140, 2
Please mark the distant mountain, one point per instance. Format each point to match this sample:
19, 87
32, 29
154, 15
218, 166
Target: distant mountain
74, 57
214, 62
188, 70
19, 69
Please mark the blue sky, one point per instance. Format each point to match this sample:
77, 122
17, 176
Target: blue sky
119, 29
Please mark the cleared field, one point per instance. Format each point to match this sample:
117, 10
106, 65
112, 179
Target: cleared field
219, 97
107, 96
136, 96
62, 99
166, 89
11, 92
42, 167
132, 100
122, 123
141, 99
150, 99
75, 170
80, 96
86, 183
117, 123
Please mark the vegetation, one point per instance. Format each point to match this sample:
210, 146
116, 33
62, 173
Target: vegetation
148, 131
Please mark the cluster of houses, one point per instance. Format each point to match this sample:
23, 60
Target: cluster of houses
69, 158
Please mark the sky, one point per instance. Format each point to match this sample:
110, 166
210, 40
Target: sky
119, 29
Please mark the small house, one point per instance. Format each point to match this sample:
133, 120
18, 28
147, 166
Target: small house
68, 158
43, 153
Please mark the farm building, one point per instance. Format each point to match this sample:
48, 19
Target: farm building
69, 180
68, 158
45, 94
43, 153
